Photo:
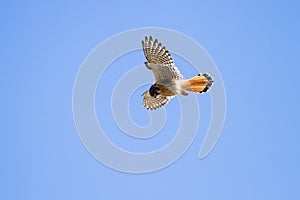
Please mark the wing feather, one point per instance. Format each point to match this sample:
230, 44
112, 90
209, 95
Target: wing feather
153, 103
161, 61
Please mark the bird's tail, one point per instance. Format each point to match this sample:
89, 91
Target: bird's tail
200, 83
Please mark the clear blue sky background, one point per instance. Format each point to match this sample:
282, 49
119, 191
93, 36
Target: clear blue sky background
255, 45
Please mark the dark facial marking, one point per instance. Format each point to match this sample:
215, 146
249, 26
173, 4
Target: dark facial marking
154, 91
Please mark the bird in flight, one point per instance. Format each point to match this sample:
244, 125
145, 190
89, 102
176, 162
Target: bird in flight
169, 81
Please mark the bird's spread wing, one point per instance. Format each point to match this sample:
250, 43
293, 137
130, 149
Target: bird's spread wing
156, 53
153, 103
160, 61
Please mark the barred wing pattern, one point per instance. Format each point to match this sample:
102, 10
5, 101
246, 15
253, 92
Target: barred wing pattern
153, 103
160, 61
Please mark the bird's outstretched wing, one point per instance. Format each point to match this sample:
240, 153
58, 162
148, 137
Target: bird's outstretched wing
160, 61
153, 103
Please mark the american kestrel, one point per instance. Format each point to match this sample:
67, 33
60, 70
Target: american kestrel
169, 81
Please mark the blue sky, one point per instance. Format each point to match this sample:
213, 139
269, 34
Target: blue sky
255, 45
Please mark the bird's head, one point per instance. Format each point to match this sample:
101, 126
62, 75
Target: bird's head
154, 91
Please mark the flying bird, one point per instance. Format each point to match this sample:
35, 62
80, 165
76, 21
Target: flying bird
169, 81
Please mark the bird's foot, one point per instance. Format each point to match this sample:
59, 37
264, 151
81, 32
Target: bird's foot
184, 93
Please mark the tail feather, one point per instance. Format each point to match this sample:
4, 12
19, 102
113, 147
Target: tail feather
200, 83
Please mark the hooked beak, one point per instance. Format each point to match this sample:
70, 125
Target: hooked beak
144, 93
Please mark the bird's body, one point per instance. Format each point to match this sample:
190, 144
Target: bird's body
169, 81
168, 90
